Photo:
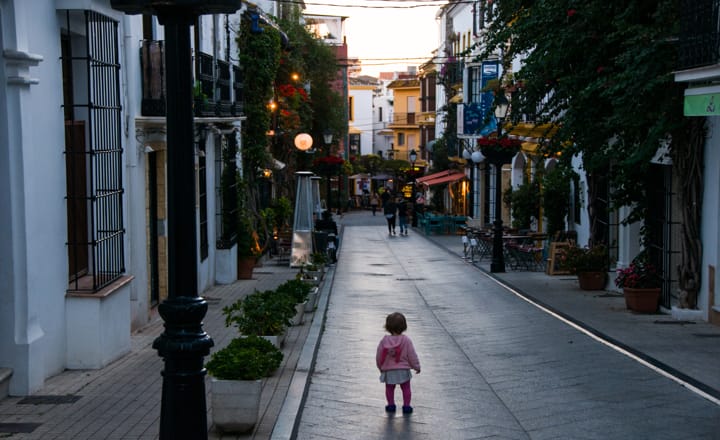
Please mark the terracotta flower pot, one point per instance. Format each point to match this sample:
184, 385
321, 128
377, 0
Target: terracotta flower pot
642, 300
592, 280
245, 266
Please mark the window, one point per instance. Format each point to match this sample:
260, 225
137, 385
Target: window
401, 139
202, 199
380, 114
351, 110
226, 200
93, 150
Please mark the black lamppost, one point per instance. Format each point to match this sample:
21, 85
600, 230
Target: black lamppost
413, 158
183, 344
328, 138
498, 259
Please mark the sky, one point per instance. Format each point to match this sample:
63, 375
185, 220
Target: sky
376, 34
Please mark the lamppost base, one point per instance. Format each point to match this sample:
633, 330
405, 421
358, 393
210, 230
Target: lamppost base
497, 267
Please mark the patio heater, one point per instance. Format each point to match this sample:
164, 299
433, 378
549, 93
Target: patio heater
304, 206
477, 158
183, 344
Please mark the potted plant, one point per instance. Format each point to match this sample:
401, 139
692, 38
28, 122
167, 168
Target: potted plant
265, 313
298, 292
235, 387
641, 283
590, 264
247, 246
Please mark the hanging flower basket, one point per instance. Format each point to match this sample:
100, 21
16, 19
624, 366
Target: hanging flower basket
500, 150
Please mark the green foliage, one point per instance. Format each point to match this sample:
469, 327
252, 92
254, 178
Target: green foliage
576, 259
283, 211
524, 202
298, 290
603, 69
262, 313
319, 258
247, 358
260, 59
556, 198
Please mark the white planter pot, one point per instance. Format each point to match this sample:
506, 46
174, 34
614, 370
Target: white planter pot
277, 340
235, 404
312, 300
299, 313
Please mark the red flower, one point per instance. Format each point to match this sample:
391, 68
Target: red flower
571, 12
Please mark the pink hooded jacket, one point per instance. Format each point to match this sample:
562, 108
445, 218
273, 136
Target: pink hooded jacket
396, 352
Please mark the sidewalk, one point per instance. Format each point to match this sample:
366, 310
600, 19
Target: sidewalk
122, 401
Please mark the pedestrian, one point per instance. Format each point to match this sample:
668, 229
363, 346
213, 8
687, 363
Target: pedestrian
402, 215
394, 358
374, 201
389, 209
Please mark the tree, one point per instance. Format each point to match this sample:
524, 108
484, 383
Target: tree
604, 70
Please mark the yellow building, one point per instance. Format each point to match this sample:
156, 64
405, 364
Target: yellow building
405, 124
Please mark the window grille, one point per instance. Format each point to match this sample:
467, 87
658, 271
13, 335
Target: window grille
226, 198
93, 150
699, 43
202, 199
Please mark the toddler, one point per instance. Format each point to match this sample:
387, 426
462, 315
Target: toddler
395, 357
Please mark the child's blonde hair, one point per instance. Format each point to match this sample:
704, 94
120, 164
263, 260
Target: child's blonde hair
395, 323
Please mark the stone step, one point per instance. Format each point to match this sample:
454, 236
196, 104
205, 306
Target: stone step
5, 374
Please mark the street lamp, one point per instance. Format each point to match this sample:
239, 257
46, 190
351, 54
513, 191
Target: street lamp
328, 138
183, 344
498, 259
413, 158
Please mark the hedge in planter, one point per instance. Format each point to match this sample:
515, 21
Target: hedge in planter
262, 313
246, 358
297, 290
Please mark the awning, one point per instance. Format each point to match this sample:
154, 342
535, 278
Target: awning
439, 175
529, 130
353, 130
457, 99
359, 176
445, 179
432, 176
382, 177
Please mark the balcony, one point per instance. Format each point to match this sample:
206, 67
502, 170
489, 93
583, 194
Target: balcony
403, 119
218, 91
699, 45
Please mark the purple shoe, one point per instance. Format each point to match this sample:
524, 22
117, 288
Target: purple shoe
390, 408
407, 409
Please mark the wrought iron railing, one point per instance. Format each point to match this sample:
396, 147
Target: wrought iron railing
218, 90
699, 42
403, 119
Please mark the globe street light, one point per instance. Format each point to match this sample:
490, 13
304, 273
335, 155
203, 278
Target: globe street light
498, 259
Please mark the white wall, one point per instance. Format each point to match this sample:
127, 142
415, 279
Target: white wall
709, 217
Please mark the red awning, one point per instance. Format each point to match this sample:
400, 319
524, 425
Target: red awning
444, 179
434, 176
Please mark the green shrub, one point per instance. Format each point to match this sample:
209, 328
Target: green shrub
262, 313
247, 358
296, 289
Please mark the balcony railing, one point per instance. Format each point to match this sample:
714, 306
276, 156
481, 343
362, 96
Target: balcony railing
699, 44
218, 91
403, 119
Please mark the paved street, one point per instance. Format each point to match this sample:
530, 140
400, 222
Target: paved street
577, 365
494, 365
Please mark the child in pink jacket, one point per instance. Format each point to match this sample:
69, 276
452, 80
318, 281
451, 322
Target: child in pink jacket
395, 357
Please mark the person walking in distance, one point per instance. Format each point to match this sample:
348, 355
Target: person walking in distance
394, 358
389, 208
374, 202
402, 215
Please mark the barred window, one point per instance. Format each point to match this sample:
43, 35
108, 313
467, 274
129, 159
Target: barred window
93, 150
